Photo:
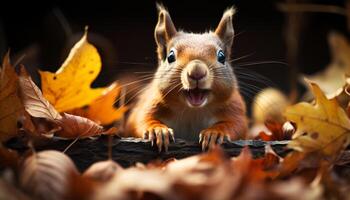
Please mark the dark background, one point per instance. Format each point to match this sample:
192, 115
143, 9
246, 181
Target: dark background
123, 33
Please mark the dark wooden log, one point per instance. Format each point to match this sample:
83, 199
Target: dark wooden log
128, 151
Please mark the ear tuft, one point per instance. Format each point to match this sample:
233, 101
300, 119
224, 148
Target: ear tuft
164, 31
160, 7
229, 12
225, 29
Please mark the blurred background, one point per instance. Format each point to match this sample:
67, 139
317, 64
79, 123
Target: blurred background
273, 39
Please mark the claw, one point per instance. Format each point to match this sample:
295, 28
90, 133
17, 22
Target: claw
200, 137
210, 137
151, 137
220, 139
145, 135
228, 138
159, 136
205, 142
172, 134
166, 141
212, 142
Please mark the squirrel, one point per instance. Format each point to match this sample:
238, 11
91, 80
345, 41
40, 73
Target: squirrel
194, 94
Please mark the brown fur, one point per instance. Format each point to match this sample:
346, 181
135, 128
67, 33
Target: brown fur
163, 105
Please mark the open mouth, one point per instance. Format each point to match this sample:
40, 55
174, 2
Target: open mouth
196, 97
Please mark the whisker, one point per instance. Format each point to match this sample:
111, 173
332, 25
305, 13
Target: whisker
171, 90
240, 58
260, 63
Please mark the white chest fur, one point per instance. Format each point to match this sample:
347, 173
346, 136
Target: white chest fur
188, 123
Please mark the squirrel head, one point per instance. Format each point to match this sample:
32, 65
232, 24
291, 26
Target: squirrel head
194, 69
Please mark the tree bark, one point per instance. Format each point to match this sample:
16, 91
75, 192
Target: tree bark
128, 151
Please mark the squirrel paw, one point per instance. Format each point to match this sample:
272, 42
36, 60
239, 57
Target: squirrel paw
160, 134
210, 137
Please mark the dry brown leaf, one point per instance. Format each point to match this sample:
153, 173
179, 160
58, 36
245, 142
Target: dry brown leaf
274, 132
291, 163
46, 175
102, 171
207, 176
10, 103
102, 109
323, 127
34, 102
69, 126
81, 187
295, 188
73, 126
255, 170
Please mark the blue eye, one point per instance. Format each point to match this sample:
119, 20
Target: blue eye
171, 57
221, 57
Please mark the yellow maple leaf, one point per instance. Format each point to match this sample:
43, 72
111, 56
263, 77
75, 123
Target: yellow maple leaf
69, 87
323, 127
10, 104
102, 109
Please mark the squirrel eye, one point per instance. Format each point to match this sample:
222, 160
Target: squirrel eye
221, 56
171, 57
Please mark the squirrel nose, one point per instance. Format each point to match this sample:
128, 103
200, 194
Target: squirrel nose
197, 75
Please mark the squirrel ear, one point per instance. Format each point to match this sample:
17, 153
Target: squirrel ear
225, 28
164, 31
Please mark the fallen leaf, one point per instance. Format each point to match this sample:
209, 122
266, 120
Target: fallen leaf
81, 187
46, 175
291, 163
274, 131
102, 171
34, 102
102, 109
69, 126
323, 127
10, 103
69, 87
73, 126
255, 170
295, 188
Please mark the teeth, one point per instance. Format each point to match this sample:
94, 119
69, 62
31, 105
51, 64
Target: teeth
196, 96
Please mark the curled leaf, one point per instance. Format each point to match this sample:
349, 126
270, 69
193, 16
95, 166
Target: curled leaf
34, 102
102, 171
73, 126
46, 175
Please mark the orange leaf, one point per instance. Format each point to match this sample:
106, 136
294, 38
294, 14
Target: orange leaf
276, 132
102, 109
255, 169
